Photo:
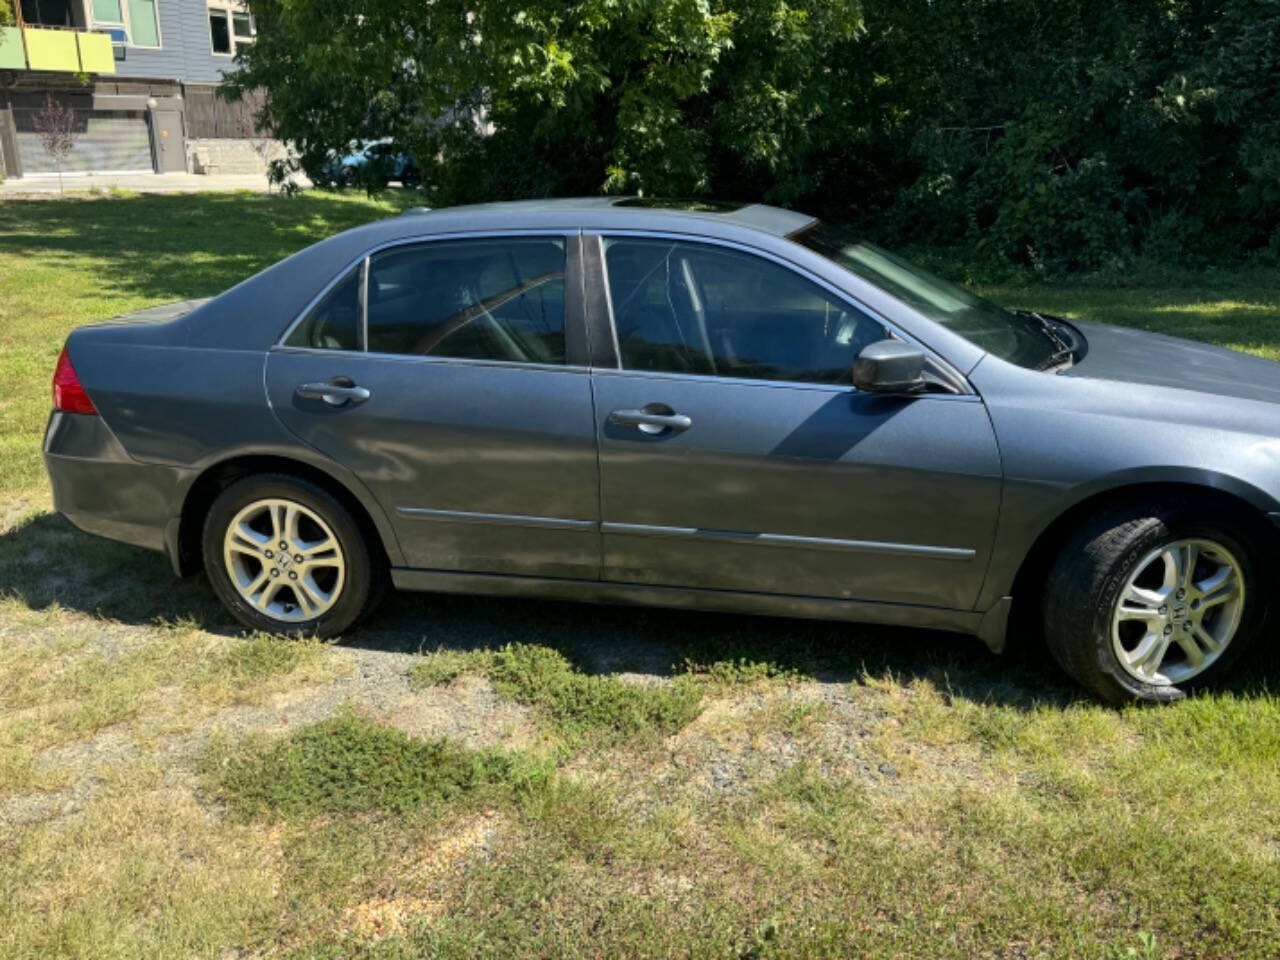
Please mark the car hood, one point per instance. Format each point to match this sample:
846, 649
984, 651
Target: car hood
1135, 356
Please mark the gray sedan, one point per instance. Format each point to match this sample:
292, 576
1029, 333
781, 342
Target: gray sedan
692, 405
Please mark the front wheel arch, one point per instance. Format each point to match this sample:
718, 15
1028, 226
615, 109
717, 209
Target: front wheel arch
1029, 582
186, 554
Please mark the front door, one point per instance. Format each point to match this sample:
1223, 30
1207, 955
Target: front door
735, 454
464, 416
170, 146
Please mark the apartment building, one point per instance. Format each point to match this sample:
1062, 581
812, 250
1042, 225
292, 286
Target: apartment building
140, 76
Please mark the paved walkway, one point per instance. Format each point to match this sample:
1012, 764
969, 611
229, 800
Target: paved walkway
44, 184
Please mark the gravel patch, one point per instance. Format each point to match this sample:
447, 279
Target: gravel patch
375, 682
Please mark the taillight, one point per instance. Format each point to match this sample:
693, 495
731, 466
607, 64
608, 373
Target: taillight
68, 394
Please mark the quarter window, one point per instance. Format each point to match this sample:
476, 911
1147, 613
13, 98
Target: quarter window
697, 308
478, 299
334, 322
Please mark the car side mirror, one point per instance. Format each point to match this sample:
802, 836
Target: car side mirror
890, 366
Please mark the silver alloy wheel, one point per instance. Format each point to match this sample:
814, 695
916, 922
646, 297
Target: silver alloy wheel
1178, 610
284, 560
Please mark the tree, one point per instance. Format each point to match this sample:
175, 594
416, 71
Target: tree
648, 95
1059, 135
264, 145
56, 124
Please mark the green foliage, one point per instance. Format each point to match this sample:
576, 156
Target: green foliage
599, 707
1075, 135
441, 667
6, 13
1056, 135
555, 98
350, 765
583, 708
742, 671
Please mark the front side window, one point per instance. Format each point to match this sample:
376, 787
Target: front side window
683, 307
499, 299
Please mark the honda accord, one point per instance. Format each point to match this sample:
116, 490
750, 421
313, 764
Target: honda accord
701, 405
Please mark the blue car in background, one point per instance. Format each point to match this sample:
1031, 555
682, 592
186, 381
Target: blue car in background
373, 162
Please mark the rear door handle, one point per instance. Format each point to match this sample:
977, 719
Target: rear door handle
649, 422
337, 391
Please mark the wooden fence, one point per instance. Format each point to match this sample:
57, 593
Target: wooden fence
209, 115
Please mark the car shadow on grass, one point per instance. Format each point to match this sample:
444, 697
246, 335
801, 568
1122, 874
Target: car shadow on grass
46, 562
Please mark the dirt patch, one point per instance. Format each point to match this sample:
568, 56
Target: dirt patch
426, 894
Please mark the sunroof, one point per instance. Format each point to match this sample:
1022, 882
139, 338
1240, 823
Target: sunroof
688, 205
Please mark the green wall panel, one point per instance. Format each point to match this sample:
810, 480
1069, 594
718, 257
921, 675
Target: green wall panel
11, 56
52, 50
95, 53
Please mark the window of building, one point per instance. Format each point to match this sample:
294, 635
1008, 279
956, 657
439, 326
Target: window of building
108, 13
144, 23
48, 13
138, 19
230, 28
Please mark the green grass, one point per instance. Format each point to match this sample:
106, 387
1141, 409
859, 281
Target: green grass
715, 785
579, 707
1237, 311
348, 765
443, 666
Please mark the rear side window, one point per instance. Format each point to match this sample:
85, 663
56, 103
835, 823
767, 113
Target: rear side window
334, 322
683, 307
499, 299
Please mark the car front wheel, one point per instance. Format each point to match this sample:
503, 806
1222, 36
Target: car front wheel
285, 556
1146, 605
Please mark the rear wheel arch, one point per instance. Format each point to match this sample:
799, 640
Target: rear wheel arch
1029, 582
187, 558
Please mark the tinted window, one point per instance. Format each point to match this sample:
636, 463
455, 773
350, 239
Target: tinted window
696, 308
334, 322
478, 299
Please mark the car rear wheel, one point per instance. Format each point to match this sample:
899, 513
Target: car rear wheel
285, 556
1146, 605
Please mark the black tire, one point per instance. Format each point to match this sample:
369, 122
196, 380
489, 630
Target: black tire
1094, 566
364, 579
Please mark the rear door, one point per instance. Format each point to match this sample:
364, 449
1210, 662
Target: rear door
449, 375
736, 454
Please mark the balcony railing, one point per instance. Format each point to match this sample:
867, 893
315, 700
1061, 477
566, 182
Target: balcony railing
52, 48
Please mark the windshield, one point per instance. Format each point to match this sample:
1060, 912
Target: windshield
1020, 338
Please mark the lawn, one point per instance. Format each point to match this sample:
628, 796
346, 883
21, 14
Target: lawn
512, 778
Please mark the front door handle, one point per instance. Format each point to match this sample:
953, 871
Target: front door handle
337, 391
649, 421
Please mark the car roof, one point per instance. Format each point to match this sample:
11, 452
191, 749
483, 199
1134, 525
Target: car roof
594, 213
